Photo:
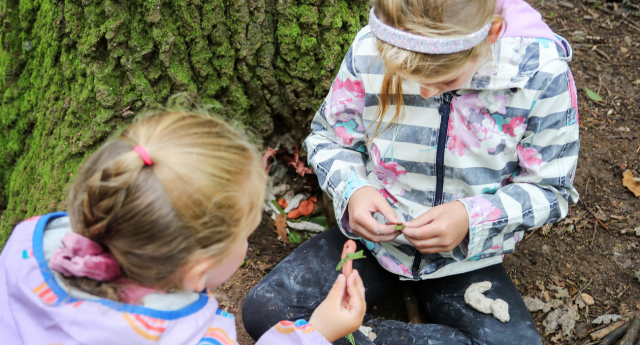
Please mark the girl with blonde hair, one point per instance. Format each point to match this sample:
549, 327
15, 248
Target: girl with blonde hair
156, 218
450, 130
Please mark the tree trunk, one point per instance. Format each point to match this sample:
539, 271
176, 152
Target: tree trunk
75, 71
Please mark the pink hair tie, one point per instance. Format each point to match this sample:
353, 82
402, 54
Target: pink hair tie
143, 154
82, 257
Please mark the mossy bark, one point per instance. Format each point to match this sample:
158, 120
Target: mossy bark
73, 71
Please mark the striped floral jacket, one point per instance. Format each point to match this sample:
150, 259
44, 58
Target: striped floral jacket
506, 145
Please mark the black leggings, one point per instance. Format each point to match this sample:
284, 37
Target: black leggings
295, 288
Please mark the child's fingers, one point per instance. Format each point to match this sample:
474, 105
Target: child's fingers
420, 221
378, 232
356, 296
338, 289
359, 283
383, 207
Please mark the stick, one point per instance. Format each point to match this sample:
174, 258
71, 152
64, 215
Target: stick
532, 232
615, 335
606, 331
594, 216
632, 332
601, 53
411, 304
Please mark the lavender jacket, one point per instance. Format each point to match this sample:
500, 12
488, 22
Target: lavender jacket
506, 145
37, 308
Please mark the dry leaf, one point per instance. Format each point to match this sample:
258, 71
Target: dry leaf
551, 322
629, 182
533, 304
281, 227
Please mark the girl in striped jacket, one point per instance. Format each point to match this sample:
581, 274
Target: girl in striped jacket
450, 130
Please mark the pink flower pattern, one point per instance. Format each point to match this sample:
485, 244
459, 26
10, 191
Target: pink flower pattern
482, 211
515, 127
391, 174
529, 159
346, 95
464, 133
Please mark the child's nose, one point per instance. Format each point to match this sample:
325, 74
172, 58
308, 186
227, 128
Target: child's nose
429, 91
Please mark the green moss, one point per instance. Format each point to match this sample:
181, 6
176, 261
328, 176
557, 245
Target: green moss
68, 69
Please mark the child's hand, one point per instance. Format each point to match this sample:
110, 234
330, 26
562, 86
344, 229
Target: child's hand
362, 204
440, 229
342, 312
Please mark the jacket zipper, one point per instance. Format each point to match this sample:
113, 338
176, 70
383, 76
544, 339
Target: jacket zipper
445, 111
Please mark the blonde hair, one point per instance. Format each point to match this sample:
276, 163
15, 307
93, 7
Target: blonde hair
431, 18
201, 196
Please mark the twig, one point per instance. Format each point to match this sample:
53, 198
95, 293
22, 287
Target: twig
586, 286
532, 232
623, 291
593, 238
598, 219
586, 189
601, 53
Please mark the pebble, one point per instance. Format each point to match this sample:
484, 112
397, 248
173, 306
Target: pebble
588, 300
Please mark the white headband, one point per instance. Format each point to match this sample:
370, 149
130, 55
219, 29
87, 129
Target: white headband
423, 44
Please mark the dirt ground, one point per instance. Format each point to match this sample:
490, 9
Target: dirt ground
579, 254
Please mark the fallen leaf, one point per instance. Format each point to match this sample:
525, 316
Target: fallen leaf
533, 304
629, 182
588, 300
551, 322
556, 337
594, 96
281, 227
606, 319
637, 82
583, 329
295, 238
559, 281
573, 290
580, 302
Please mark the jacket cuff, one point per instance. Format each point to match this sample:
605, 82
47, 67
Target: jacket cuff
476, 225
353, 182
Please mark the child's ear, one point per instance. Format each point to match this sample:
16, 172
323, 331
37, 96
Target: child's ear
495, 31
196, 276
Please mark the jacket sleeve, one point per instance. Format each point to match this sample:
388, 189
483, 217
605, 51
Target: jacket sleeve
292, 333
541, 189
336, 145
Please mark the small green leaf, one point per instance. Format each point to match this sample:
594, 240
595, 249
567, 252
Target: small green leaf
594, 96
350, 256
637, 82
351, 339
320, 220
399, 227
295, 238
275, 203
242, 264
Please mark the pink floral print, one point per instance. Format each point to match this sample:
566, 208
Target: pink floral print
347, 99
529, 159
482, 211
471, 126
391, 174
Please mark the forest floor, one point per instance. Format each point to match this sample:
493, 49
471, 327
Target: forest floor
579, 254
